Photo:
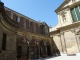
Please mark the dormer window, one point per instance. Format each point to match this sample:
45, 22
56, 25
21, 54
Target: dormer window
18, 19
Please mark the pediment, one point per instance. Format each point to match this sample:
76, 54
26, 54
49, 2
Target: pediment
65, 4
68, 3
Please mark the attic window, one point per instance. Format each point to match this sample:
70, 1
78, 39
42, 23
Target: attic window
30, 23
18, 19
73, 1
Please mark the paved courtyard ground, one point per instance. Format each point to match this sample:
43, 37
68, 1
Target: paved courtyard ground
64, 57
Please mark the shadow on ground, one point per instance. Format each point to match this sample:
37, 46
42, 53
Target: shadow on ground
45, 58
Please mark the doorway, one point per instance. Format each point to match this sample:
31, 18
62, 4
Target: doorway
19, 51
49, 50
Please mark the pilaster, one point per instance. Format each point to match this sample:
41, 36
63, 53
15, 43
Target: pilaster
64, 49
73, 31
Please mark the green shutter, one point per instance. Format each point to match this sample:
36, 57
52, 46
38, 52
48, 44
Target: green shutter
77, 12
73, 15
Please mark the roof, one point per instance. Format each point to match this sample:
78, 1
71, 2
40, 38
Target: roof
23, 15
61, 6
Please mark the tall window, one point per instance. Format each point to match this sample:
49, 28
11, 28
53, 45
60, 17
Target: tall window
64, 18
31, 50
18, 19
4, 42
75, 13
30, 23
43, 49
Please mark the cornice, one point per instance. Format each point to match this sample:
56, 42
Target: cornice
21, 15
73, 25
70, 6
33, 33
61, 6
6, 17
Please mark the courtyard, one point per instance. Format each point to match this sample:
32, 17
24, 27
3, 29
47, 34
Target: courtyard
64, 57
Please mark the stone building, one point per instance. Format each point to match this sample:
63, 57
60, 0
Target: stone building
22, 37
66, 34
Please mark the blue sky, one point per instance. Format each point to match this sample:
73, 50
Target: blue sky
43, 10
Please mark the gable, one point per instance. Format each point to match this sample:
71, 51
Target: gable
65, 4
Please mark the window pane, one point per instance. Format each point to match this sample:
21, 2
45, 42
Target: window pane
4, 42
18, 19
73, 15
77, 12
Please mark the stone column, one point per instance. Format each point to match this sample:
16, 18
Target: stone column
38, 54
76, 39
45, 49
61, 44
28, 50
64, 49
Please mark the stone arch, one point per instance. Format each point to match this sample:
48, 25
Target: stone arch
33, 41
20, 39
42, 48
23, 47
23, 39
41, 42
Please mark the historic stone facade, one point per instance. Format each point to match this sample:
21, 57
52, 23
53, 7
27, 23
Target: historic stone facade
66, 34
23, 38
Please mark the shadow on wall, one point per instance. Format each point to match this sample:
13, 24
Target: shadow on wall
56, 51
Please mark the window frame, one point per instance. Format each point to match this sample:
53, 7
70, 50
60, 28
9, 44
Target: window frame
75, 13
18, 19
29, 23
